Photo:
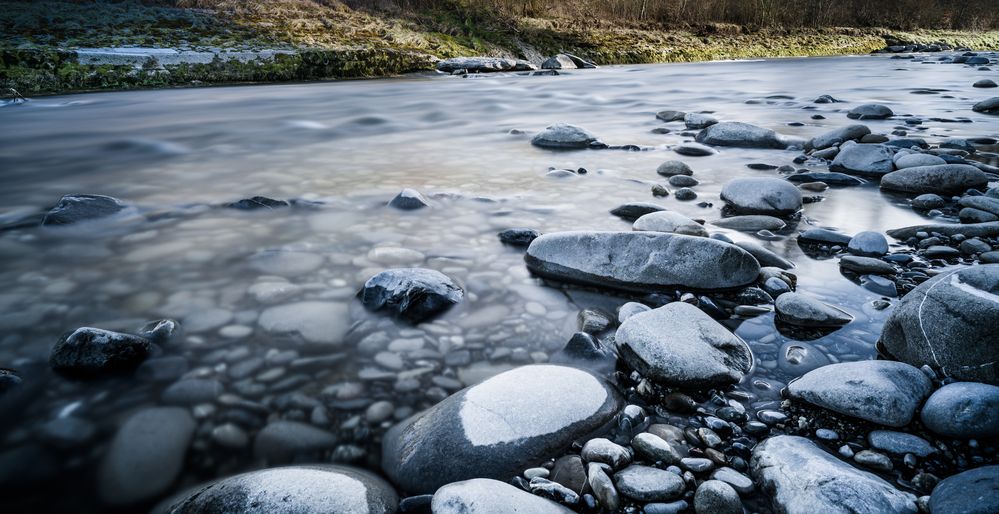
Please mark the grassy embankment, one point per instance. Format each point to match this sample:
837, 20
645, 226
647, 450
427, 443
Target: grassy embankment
334, 41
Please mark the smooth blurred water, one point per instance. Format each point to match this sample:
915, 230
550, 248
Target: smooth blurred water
351, 146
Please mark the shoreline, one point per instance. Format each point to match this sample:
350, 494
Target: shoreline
45, 71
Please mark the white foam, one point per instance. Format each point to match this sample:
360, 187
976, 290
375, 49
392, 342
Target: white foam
529, 402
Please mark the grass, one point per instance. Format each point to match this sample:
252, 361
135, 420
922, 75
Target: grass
335, 41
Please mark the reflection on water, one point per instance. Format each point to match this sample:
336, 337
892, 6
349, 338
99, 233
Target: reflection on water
350, 147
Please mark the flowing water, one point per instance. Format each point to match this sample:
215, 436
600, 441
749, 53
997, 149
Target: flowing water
349, 147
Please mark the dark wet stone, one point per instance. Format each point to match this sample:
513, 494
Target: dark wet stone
883, 392
518, 236
946, 179
870, 112
900, 443
258, 203
868, 244
963, 410
584, 350
972, 492
570, 472
563, 136
76, 208
414, 294
145, 456
668, 116
409, 200
764, 256
498, 427
798, 309
823, 236
694, 150
717, 497
633, 211
831, 178
161, 332
282, 441
674, 168
951, 323
67, 432
740, 135
483, 65
990, 106
801, 478
648, 484
761, 195
293, 490
92, 352
193, 391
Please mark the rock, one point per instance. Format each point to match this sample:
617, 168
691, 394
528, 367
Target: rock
823, 236
741, 483
801, 478
798, 309
640, 261
683, 181
982, 203
989, 229
694, 150
863, 159
585, 351
67, 432
950, 322
483, 65
92, 352
669, 116
990, 106
145, 456
963, 410
192, 391
866, 265
717, 497
409, 200
257, 203
928, 202
655, 448
77, 208
633, 211
558, 62
678, 344
948, 179
563, 136
630, 309
606, 452
282, 441
497, 428
741, 135
485, 496
580, 62
761, 195
669, 222
751, 223
763, 256
316, 322
413, 294
602, 487
985, 83
873, 460
870, 112
868, 244
900, 443
828, 178
882, 392
695, 121
518, 236
972, 492
838, 136
293, 489
648, 484
673, 168
685, 193
915, 160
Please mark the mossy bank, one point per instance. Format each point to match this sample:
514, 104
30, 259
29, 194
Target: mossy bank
38, 42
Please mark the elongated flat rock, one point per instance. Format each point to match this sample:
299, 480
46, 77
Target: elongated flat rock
946, 179
987, 229
641, 261
801, 478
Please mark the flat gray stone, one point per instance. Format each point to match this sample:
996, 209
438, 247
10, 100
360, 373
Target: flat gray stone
563, 136
838, 136
972, 492
670, 222
863, 159
762, 195
648, 484
741, 135
751, 223
798, 309
948, 179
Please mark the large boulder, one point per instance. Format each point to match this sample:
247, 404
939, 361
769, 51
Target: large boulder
838, 136
641, 261
863, 159
761, 195
883, 392
801, 478
669, 222
92, 352
497, 428
973, 492
946, 179
145, 456
963, 410
558, 62
678, 344
76, 208
730, 133
413, 294
485, 496
292, 490
950, 322
563, 136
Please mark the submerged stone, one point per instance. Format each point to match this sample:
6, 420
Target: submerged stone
414, 294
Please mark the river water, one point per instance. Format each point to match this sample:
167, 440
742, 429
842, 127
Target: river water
350, 147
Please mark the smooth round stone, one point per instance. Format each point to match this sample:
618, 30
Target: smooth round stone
486, 496
67, 432
900, 443
229, 435
78, 208
282, 441
293, 490
987, 106
963, 410
762, 195
191, 391
873, 460
695, 120
717, 497
694, 150
379, 411
683, 181
751, 223
606, 452
798, 309
838, 136
742, 135
864, 159
674, 168
914, 160
696, 464
563, 136
866, 265
984, 83
145, 456
972, 492
945, 179
669, 222
633, 211
868, 244
655, 448
951, 323
741, 483
287, 263
928, 202
870, 112
316, 322
649, 484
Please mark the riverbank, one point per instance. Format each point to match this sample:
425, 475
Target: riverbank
48, 47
